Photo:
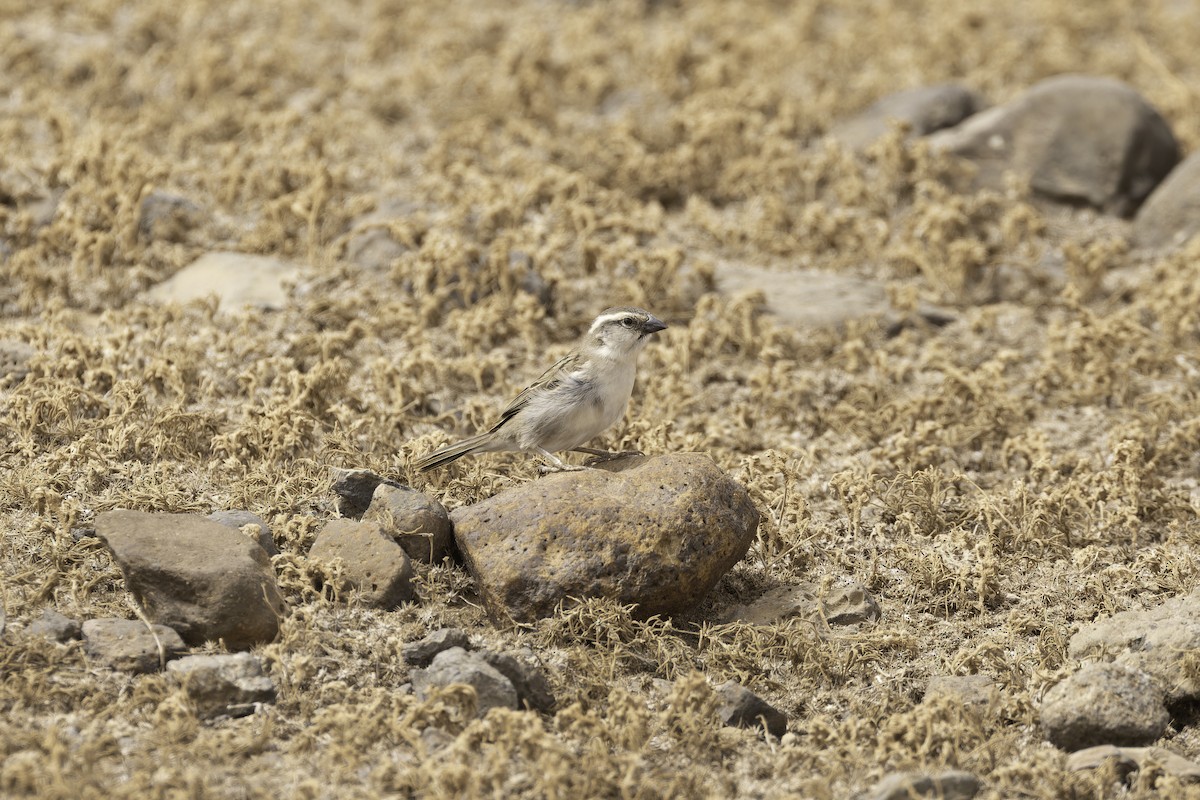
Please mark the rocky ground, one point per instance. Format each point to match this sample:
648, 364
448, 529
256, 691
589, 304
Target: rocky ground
929, 386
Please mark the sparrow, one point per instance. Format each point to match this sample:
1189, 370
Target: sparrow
572, 402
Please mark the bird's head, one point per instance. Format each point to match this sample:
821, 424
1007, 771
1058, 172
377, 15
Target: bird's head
623, 331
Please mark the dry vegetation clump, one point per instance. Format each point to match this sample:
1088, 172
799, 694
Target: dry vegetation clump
994, 482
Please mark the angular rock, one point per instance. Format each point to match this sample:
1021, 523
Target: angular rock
807, 298
1171, 215
924, 110
201, 578
1104, 704
1158, 641
355, 489
129, 645
533, 690
458, 666
239, 519
224, 685
1130, 759
236, 279
422, 651
168, 216
376, 569
976, 692
742, 708
951, 785
415, 521
55, 627
1073, 139
658, 534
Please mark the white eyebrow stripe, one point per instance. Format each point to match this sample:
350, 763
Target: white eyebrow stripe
604, 319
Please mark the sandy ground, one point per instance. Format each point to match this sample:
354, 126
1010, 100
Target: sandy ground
994, 482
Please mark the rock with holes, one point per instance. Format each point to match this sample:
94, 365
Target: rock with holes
375, 570
658, 534
1074, 139
923, 110
1104, 704
130, 645
416, 522
199, 577
224, 685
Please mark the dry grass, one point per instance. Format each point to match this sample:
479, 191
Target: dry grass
995, 482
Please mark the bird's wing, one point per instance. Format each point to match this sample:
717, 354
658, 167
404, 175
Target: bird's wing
549, 379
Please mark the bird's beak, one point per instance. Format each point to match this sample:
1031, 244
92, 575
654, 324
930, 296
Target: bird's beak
653, 325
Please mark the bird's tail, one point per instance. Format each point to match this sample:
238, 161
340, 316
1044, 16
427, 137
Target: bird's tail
452, 452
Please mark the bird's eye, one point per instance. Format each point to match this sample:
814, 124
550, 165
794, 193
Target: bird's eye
627, 322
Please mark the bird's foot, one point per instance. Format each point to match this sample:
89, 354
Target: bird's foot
603, 456
556, 464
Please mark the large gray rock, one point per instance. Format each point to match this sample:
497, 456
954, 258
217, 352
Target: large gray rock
130, 645
235, 279
658, 535
458, 666
415, 521
1104, 704
1171, 215
224, 685
1076, 139
201, 578
375, 569
1158, 641
924, 110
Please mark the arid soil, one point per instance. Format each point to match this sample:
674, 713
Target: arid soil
461, 187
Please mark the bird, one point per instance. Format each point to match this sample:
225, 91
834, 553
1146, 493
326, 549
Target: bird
582, 394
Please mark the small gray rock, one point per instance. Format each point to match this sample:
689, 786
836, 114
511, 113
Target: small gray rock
976, 692
168, 216
416, 522
849, 605
129, 645
533, 690
224, 685
742, 708
458, 666
422, 651
376, 569
355, 489
1130, 759
924, 109
1104, 704
56, 627
237, 520
952, 785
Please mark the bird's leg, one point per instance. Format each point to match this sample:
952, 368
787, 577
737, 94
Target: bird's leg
600, 456
556, 463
